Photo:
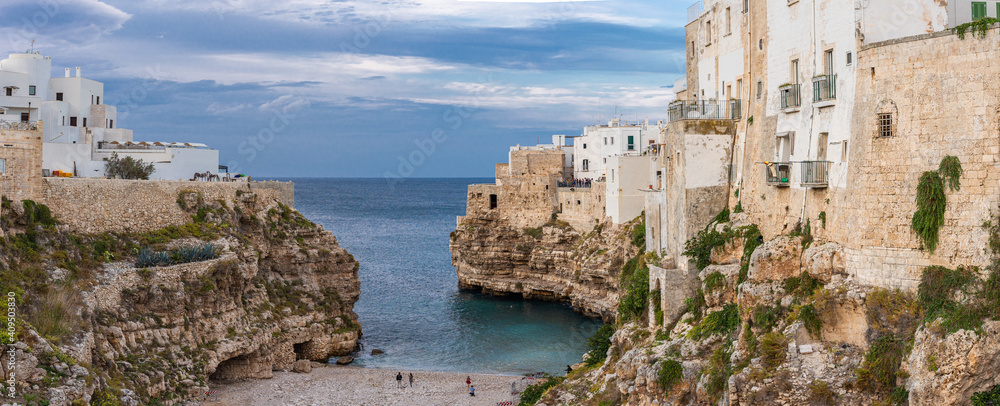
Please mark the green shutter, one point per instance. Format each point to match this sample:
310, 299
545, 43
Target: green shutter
978, 10
998, 10
631, 143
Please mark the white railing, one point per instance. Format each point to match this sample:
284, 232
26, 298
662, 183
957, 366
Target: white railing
694, 11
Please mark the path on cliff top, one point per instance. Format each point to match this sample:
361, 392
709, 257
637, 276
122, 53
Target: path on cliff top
350, 386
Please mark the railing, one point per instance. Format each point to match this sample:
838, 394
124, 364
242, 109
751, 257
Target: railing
778, 173
17, 125
131, 147
815, 174
694, 11
824, 88
704, 110
790, 96
574, 183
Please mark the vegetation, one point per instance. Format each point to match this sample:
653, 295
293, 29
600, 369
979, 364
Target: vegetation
639, 233
598, 344
931, 200
801, 286
773, 347
821, 394
149, 258
671, 372
980, 27
766, 317
822, 219
807, 314
533, 393
634, 282
987, 398
534, 232
694, 304
714, 281
940, 288
722, 322
878, 370
127, 168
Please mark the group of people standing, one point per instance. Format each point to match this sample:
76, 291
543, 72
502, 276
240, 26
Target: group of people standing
399, 380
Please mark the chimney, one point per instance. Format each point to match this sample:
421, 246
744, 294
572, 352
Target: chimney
77, 71
67, 72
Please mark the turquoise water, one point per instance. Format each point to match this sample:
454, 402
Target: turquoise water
410, 305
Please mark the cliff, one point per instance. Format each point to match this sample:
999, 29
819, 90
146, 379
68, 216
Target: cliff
550, 262
246, 286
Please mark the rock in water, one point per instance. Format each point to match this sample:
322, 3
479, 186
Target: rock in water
347, 359
377, 352
302, 366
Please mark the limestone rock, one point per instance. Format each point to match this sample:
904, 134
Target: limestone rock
345, 360
776, 260
377, 352
949, 370
823, 261
302, 366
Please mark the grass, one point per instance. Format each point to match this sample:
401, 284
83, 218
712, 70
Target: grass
773, 347
671, 373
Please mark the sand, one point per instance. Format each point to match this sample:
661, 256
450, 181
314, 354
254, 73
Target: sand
349, 386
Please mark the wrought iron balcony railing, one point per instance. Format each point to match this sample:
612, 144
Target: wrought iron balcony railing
778, 173
815, 174
790, 95
704, 110
824, 88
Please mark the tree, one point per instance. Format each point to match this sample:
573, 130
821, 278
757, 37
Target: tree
127, 168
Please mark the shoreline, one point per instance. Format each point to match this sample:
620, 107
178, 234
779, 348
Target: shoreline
331, 384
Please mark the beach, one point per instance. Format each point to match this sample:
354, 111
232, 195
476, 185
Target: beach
350, 386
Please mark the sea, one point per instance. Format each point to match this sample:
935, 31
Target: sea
410, 305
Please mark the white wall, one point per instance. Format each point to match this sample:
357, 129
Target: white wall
79, 93
185, 162
608, 141
628, 178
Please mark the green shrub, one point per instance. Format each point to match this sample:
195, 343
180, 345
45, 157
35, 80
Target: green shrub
987, 398
671, 373
931, 203
639, 235
127, 168
598, 344
105, 397
37, 214
724, 321
723, 216
694, 304
634, 300
936, 292
820, 393
149, 258
822, 219
714, 280
533, 393
535, 232
766, 317
773, 348
809, 317
878, 370
801, 286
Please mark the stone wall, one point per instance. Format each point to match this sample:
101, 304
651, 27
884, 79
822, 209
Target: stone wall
583, 208
21, 151
944, 97
113, 205
525, 189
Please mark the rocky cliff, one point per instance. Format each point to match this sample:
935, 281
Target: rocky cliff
786, 325
247, 287
551, 262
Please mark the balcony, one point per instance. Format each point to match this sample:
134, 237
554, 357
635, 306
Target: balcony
704, 110
815, 174
791, 96
778, 173
824, 88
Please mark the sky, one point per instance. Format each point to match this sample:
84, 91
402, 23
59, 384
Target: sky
347, 88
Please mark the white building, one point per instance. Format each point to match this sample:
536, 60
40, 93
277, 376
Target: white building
627, 182
79, 131
600, 142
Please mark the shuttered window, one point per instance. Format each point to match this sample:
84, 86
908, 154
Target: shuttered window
978, 10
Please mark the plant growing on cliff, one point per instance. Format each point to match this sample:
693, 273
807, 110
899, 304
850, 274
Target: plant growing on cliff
127, 168
987, 398
980, 27
877, 372
639, 234
671, 373
533, 393
598, 344
931, 200
822, 219
634, 300
722, 322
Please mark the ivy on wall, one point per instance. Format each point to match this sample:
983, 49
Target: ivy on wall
931, 200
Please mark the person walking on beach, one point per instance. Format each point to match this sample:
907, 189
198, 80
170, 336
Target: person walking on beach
472, 390
399, 380
468, 382
411, 379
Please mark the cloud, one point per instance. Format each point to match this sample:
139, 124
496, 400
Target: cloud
285, 104
221, 109
58, 22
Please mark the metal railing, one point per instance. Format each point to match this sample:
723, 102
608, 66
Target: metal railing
584, 183
131, 147
778, 173
704, 110
824, 88
790, 95
815, 174
694, 11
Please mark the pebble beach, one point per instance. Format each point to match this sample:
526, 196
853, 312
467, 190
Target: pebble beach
350, 386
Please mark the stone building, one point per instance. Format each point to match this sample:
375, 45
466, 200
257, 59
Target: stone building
20, 161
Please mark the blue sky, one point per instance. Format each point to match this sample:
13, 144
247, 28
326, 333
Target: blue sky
346, 88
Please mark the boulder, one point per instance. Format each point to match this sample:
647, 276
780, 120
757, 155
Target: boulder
824, 261
302, 366
347, 359
377, 352
776, 260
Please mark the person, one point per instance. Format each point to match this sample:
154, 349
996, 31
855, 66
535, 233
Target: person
472, 390
399, 380
468, 381
569, 369
411, 379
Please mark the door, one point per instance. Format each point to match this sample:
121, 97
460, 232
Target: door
821, 148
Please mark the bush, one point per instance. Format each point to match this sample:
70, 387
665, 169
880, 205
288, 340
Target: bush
714, 280
694, 304
533, 393
127, 168
987, 398
598, 345
801, 286
930, 209
773, 348
766, 317
820, 393
671, 372
635, 297
37, 214
881, 363
724, 321
150, 258
639, 235
809, 317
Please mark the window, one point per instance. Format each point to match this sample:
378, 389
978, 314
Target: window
3, 166
84, 121
72, 121
784, 146
885, 125
493, 202
63, 120
760, 87
98, 99
692, 48
708, 33
978, 10
828, 61
586, 164
585, 146
612, 140
729, 22
843, 151
31, 90
612, 175
631, 143
59, 96
91, 99
821, 146
739, 89
25, 117
10, 91
605, 140
112, 125
746, 5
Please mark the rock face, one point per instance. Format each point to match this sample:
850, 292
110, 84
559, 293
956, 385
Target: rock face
280, 293
559, 265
